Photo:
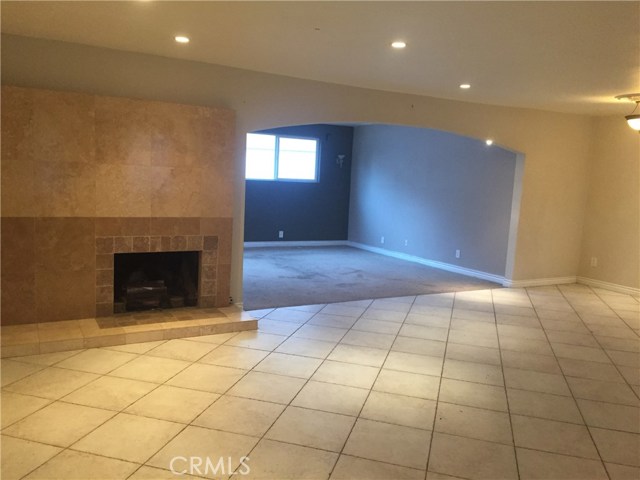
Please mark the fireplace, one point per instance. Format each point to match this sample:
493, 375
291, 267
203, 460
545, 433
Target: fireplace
144, 281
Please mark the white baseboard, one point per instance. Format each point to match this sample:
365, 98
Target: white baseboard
539, 282
431, 263
592, 282
310, 243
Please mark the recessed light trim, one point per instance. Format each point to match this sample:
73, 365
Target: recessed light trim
398, 44
465, 86
181, 39
489, 142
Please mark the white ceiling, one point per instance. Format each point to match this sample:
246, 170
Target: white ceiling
561, 56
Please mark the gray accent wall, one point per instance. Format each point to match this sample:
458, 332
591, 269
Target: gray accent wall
435, 190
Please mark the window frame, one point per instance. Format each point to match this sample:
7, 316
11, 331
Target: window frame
276, 161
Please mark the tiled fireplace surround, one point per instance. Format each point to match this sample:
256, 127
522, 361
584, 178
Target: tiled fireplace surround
209, 295
87, 176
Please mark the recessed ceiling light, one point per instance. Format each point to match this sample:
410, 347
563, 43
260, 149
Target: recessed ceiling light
181, 39
488, 141
398, 44
465, 86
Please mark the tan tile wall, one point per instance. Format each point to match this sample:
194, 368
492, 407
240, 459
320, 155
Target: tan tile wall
79, 167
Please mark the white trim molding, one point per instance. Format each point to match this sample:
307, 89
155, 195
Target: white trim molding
430, 263
538, 282
592, 282
310, 243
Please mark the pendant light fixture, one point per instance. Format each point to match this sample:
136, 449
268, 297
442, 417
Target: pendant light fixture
634, 119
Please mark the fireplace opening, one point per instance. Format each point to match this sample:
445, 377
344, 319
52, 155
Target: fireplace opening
146, 281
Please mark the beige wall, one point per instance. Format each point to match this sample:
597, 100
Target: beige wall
556, 146
612, 220
87, 176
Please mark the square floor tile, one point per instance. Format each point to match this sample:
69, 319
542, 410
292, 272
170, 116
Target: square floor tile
538, 347
111, 393
473, 372
277, 328
352, 468
469, 458
409, 384
473, 394
419, 346
14, 371
530, 361
19, 457
473, 423
622, 472
409, 362
172, 404
592, 370
289, 365
316, 332
51, 383
368, 339
96, 360
345, 310
78, 465
312, 428
129, 437
552, 436
236, 357
603, 391
216, 339
388, 443
611, 416
59, 424
489, 340
349, 374
179, 349
376, 326
471, 353
257, 340
138, 348
385, 315
208, 378
400, 410
306, 347
150, 369
16, 406
46, 359
542, 465
206, 444
331, 398
536, 381
617, 447
428, 320
373, 357
544, 405
336, 321
426, 333
579, 352
267, 387
289, 315
152, 473
276, 460
240, 415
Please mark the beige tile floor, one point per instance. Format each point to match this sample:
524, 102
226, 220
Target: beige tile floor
492, 384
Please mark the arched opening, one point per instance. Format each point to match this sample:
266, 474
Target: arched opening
442, 206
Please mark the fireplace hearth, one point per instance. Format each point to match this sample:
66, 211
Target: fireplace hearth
159, 280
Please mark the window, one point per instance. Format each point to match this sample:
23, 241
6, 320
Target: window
278, 157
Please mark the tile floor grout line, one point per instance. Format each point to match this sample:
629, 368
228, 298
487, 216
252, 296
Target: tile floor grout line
572, 395
437, 405
344, 444
307, 380
506, 393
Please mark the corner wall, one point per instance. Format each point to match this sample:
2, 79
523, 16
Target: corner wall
612, 220
436, 192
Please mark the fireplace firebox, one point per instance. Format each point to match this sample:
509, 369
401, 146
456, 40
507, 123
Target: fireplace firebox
145, 281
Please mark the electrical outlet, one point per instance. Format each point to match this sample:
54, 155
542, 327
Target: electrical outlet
457, 253
280, 233
594, 262
381, 239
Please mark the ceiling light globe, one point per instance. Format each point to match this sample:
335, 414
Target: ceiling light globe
181, 39
465, 86
399, 44
633, 121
